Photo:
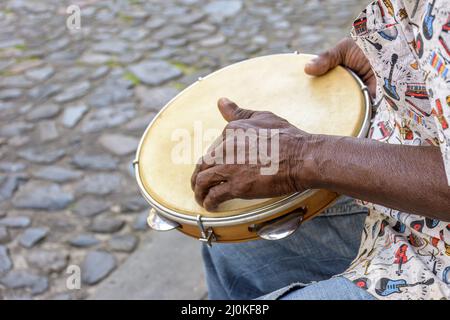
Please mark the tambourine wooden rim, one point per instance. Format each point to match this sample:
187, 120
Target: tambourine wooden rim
288, 203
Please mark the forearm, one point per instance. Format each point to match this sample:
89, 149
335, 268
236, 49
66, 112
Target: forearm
407, 178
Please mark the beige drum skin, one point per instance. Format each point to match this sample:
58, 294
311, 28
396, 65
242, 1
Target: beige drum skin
336, 104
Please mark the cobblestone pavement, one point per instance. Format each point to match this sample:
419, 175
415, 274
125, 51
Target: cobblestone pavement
73, 105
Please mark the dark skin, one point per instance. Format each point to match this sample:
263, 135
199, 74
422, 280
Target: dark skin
407, 178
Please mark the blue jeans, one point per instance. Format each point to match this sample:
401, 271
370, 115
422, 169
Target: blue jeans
321, 248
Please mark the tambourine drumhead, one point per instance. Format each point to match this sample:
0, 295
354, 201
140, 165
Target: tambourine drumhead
332, 104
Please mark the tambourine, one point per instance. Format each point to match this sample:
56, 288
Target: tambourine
337, 103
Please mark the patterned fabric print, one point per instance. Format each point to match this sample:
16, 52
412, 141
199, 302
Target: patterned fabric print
433, 52
405, 256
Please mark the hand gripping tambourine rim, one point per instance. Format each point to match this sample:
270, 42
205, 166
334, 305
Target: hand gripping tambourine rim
168, 219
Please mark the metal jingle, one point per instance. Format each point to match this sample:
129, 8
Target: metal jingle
282, 228
158, 223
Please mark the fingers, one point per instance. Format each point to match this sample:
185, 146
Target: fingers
201, 166
323, 63
217, 195
328, 59
195, 174
231, 112
205, 176
205, 181
372, 85
208, 160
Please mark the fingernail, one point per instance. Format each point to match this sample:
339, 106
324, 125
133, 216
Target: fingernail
311, 62
223, 100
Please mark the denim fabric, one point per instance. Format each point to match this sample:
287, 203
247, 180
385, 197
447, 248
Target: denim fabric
337, 288
344, 205
321, 248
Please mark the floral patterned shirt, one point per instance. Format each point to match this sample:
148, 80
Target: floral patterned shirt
405, 256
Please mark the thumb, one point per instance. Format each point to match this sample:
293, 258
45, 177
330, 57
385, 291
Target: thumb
325, 61
231, 112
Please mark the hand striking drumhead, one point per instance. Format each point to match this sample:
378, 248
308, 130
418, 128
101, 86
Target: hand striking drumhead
181, 133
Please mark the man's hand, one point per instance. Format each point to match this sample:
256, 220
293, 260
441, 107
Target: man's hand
348, 54
215, 183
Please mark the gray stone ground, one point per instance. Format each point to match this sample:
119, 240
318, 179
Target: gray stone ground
166, 266
73, 105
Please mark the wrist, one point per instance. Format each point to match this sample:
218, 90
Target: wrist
310, 155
